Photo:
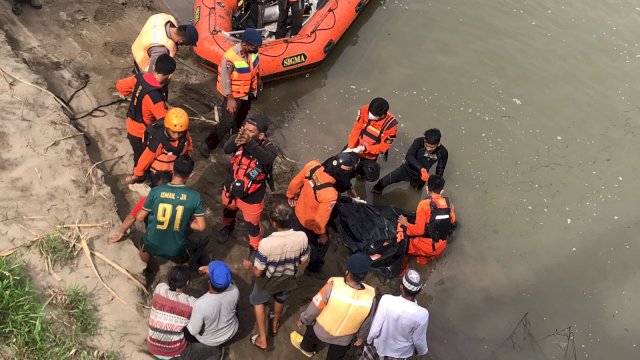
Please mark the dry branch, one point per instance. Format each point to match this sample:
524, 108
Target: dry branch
104, 224
87, 254
39, 88
102, 162
56, 141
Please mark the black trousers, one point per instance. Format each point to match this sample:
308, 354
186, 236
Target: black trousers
296, 17
310, 343
318, 251
228, 121
398, 175
368, 169
138, 146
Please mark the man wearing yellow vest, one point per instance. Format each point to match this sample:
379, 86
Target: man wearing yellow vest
161, 34
238, 82
341, 311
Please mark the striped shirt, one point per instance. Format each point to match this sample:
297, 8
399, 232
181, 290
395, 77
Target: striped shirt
170, 313
281, 253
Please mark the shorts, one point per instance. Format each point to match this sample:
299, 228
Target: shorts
259, 296
146, 246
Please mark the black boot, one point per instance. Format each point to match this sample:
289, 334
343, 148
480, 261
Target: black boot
224, 234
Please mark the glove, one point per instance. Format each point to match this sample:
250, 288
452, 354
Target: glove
348, 150
359, 149
358, 200
424, 174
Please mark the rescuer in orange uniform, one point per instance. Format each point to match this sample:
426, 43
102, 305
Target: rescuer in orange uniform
161, 34
372, 135
249, 174
238, 82
314, 192
166, 140
435, 219
148, 100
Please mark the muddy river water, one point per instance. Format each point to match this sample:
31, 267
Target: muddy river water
538, 107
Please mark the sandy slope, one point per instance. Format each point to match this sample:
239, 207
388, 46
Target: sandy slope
46, 187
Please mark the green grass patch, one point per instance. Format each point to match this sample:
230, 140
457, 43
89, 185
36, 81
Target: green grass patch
80, 309
56, 249
26, 331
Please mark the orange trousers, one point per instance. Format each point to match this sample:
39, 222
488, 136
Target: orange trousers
422, 249
250, 212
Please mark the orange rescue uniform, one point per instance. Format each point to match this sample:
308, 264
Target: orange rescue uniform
153, 108
315, 202
160, 160
375, 135
421, 246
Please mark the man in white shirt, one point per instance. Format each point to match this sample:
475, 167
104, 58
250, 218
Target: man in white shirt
399, 327
214, 319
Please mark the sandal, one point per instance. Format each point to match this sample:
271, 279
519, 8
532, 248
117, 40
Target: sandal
274, 328
253, 340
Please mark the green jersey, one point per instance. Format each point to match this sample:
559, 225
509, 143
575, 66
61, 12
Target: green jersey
170, 210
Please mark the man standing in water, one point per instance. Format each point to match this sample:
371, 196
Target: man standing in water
238, 82
423, 153
372, 135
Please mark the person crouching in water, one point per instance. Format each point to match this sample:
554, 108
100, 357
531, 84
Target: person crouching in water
435, 219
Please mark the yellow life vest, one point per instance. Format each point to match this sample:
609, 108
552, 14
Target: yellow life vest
244, 76
153, 33
346, 309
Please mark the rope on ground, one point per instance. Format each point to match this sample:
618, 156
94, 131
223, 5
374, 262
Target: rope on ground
201, 117
191, 67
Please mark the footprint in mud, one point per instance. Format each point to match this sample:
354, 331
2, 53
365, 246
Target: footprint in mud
108, 13
117, 48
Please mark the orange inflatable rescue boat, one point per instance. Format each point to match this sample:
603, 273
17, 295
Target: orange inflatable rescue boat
325, 21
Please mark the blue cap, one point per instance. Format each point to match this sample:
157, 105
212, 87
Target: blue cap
252, 37
219, 274
359, 263
192, 35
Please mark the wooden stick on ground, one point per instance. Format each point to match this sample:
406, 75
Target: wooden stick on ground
87, 254
39, 88
56, 141
102, 162
121, 269
103, 224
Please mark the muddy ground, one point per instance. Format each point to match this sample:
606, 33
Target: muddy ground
62, 47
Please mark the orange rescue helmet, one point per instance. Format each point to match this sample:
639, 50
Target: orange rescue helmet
176, 120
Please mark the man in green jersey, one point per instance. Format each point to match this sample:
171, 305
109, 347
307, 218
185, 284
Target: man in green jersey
170, 209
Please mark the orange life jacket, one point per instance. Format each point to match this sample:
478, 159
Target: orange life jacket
153, 33
372, 132
247, 170
171, 149
244, 76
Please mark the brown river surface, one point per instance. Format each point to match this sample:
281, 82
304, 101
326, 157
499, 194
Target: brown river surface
538, 108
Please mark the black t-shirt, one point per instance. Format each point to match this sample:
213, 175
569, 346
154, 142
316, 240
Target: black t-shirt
417, 158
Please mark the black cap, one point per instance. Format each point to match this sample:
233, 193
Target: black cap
359, 263
192, 35
260, 121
